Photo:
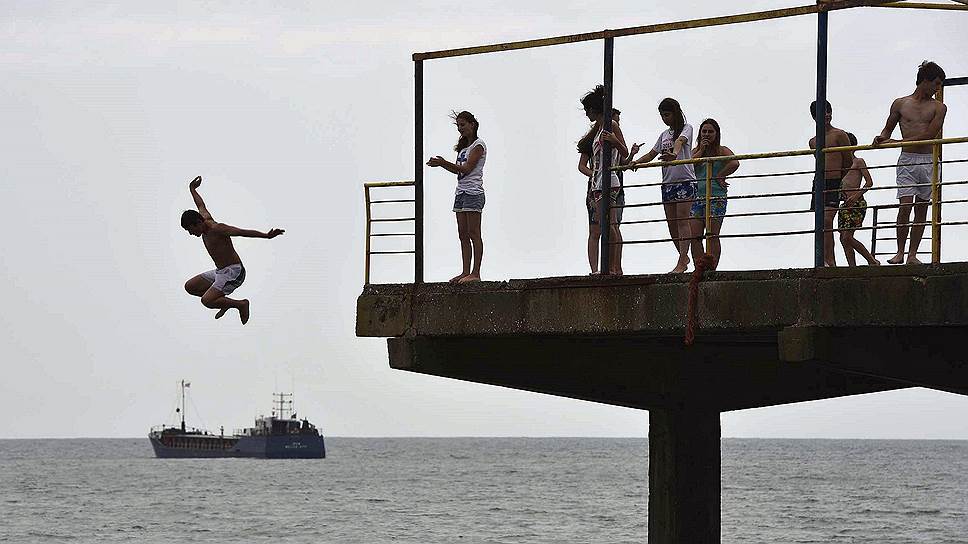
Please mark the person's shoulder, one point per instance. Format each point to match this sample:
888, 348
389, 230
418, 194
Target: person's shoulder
860, 163
725, 151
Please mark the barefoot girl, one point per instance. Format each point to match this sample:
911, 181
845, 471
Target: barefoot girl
710, 146
469, 199
679, 181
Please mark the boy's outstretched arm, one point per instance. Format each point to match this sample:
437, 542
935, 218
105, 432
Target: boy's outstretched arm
229, 230
199, 203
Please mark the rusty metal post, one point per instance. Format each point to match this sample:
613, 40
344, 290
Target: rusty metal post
819, 158
605, 205
418, 163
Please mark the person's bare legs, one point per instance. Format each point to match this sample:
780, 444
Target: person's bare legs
213, 298
670, 214
862, 249
681, 211
615, 244
465, 246
594, 234
197, 286
829, 258
847, 242
473, 221
903, 218
714, 246
920, 215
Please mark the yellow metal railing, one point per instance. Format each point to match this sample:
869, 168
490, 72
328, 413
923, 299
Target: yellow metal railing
367, 187
936, 183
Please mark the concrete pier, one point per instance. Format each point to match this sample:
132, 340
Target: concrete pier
764, 338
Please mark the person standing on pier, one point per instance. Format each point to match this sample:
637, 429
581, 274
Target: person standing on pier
710, 146
921, 117
469, 195
678, 181
835, 165
854, 207
214, 286
591, 148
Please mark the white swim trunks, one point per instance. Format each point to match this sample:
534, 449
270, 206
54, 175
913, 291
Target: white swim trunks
914, 169
226, 279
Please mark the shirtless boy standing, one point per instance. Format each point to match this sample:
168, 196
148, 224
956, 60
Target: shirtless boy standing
854, 208
921, 118
214, 285
835, 165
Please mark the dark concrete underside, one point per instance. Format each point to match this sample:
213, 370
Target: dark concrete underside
764, 338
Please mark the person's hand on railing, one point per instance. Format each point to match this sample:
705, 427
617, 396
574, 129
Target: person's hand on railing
879, 140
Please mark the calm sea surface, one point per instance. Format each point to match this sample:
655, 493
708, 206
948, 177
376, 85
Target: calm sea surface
475, 490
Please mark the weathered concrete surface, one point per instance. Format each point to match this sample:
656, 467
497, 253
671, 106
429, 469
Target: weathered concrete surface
765, 337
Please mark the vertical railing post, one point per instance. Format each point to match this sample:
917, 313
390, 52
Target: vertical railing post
418, 196
819, 157
709, 200
874, 235
935, 205
366, 261
605, 205
936, 156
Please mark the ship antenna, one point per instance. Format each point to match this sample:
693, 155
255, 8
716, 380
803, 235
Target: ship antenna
183, 385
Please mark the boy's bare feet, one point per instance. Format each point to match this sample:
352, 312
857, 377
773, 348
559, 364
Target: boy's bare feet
681, 266
913, 260
457, 278
897, 259
469, 278
244, 311
874, 262
221, 312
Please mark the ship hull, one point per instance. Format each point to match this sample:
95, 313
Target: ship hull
256, 447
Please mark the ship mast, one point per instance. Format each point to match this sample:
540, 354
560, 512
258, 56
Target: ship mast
183, 405
282, 405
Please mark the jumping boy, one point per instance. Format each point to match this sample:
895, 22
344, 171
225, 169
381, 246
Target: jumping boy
835, 165
854, 207
921, 117
214, 286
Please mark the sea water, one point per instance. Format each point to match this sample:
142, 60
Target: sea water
476, 490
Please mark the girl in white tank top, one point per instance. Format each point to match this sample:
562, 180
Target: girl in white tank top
469, 194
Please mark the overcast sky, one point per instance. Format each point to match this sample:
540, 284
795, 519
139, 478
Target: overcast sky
108, 112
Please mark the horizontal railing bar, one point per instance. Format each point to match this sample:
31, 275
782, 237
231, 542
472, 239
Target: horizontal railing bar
393, 200
715, 216
388, 184
393, 234
923, 5
793, 153
955, 81
942, 141
792, 173
629, 31
389, 252
395, 219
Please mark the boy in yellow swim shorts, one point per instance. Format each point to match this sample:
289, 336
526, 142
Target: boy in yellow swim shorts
854, 207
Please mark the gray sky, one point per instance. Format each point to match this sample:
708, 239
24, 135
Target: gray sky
108, 112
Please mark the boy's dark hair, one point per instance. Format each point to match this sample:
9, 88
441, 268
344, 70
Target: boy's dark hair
616, 111
852, 138
467, 116
190, 218
813, 108
929, 71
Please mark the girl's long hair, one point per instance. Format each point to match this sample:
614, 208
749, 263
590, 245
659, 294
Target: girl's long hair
593, 102
716, 143
671, 105
467, 116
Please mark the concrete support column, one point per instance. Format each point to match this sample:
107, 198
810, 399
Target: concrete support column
684, 476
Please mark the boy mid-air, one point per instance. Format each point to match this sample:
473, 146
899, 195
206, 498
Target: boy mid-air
214, 286
921, 116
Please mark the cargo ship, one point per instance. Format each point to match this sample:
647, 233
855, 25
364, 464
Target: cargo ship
279, 436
